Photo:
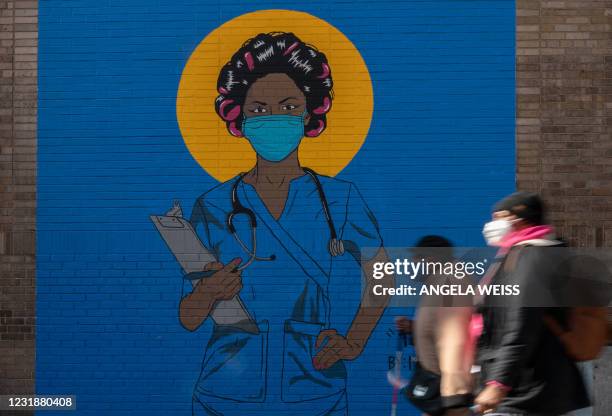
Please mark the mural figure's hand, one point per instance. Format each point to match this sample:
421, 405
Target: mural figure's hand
337, 348
225, 283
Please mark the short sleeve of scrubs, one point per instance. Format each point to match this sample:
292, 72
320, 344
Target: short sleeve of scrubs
360, 229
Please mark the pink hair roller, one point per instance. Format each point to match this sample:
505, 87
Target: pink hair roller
290, 48
324, 108
317, 131
222, 91
234, 130
249, 60
325, 73
232, 114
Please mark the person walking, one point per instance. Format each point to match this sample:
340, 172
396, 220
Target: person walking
525, 370
441, 336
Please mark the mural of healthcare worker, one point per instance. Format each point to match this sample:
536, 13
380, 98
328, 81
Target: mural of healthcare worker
278, 228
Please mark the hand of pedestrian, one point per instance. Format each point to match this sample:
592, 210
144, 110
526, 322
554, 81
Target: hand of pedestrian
490, 398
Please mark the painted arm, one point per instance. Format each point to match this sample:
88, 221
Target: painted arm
367, 316
223, 285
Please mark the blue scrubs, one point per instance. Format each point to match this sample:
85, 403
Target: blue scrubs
272, 372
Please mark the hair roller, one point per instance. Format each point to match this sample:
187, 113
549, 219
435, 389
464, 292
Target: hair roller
325, 72
249, 60
231, 114
317, 131
323, 108
234, 130
290, 48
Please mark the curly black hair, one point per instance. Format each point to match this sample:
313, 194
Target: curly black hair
276, 52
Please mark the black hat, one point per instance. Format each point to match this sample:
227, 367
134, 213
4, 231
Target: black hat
525, 205
433, 246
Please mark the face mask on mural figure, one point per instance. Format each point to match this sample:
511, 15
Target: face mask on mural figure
274, 137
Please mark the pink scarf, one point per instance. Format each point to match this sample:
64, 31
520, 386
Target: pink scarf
531, 233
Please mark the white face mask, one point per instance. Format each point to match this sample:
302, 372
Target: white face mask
495, 230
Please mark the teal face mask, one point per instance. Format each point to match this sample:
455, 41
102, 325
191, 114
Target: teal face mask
274, 137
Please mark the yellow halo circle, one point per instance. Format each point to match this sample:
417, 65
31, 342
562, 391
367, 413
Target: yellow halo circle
222, 155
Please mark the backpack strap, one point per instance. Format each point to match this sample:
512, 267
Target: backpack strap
511, 258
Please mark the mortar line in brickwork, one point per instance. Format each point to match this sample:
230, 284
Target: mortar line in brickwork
540, 146
10, 5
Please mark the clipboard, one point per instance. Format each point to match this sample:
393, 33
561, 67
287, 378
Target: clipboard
192, 255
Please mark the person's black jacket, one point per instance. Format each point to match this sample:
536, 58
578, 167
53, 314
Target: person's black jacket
516, 348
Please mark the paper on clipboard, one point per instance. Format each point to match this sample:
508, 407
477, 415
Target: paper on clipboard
192, 255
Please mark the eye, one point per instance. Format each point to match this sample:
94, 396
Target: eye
288, 107
260, 109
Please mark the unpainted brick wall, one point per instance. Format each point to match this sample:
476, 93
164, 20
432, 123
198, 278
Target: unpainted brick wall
18, 77
564, 107
564, 134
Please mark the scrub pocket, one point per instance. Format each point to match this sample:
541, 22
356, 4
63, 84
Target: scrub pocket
301, 381
235, 364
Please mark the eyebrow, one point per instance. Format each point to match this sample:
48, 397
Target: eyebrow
288, 98
260, 102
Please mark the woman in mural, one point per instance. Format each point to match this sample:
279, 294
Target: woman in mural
277, 231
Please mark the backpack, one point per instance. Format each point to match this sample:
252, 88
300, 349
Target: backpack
587, 326
587, 332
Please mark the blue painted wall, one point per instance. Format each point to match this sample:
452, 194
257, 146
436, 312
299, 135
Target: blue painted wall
440, 151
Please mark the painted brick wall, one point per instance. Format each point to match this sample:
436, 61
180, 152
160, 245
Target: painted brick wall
440, 151
564, 129
18, 43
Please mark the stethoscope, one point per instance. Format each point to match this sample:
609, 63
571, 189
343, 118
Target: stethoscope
334, 246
